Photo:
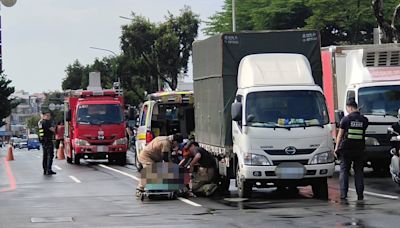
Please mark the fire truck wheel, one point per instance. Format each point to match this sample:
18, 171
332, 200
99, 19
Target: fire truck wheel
76, 158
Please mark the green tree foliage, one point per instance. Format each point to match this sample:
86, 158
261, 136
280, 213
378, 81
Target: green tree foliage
55, 98
152, 54
160, 51
339, 21
32, 124
6, 103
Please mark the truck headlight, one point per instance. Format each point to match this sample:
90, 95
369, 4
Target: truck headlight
256, 160
81, 142
121, 141
371, 141
323, 158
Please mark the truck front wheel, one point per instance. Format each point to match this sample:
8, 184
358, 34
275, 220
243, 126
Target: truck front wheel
320, 188
121, 159
244, 187
76, 158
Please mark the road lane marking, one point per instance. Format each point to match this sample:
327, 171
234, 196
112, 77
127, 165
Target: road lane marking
120, 172
189, 202
75, 179
377, 194
10, 176
57, 167
137, 179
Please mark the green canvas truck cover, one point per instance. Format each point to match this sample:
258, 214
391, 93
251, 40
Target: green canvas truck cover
215, 66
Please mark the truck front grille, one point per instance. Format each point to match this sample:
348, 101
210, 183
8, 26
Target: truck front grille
282, 152
303, 162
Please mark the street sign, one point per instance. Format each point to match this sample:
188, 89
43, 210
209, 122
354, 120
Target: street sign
52, 106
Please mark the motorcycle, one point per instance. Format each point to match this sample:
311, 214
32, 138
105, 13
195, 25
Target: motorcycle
395, 161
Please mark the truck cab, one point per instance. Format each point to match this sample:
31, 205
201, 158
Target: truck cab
281, 130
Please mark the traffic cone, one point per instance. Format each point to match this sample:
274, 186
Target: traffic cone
60, 152
10, 155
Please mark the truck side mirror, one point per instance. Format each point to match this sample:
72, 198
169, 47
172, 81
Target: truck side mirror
68, 116
236, 111
339, 114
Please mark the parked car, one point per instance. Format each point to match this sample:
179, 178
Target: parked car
33, 142
23, 143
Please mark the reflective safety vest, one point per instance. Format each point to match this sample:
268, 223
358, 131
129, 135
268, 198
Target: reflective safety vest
354, 133
41, 131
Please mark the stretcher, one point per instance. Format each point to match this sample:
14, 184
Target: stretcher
163, 180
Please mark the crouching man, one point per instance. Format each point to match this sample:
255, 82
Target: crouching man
158, 150
204, 179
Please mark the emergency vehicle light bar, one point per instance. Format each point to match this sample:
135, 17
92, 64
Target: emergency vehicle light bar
97, 93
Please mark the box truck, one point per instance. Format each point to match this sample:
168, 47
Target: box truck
260, 110
371, 75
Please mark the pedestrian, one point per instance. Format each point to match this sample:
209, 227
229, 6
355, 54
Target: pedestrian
350, 145
46, 134
204, 179
59, 134
158, 150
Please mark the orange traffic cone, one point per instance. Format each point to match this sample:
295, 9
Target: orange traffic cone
60, 152
10, 155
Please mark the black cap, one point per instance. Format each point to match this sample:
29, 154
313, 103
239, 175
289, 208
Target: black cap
45, 111
352, 103
177, 137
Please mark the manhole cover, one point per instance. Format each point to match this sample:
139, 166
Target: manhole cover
52, 220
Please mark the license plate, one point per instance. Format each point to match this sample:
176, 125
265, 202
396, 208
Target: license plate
290, 171
102, 149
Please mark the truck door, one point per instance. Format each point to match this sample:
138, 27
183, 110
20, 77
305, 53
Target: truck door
143, 127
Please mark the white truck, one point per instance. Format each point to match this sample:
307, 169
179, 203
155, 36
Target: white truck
259, 111
371, 75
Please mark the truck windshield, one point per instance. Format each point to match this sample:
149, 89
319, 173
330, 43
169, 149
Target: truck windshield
98, 114
379, 100
286, 109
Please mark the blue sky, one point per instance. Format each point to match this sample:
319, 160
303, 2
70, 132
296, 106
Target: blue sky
41, 37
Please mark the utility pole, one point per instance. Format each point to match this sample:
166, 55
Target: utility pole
233, 15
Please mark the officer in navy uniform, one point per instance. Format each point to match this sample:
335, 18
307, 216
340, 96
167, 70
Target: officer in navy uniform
46, 134
350, 145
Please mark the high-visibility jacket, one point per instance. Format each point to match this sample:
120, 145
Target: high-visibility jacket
354, 126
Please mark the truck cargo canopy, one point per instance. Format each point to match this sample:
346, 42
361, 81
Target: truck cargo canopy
274, 69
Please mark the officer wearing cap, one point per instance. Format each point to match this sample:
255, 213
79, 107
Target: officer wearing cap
350, 145
46, 134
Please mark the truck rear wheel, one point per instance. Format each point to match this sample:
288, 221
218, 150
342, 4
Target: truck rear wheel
320, 188
244, 187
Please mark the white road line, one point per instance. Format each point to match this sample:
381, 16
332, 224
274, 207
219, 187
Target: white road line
189, 202
75, 179
57, 167
120, 172
377, 194
137, 179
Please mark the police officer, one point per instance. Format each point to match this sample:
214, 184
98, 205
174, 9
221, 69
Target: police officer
46, 133
350, 145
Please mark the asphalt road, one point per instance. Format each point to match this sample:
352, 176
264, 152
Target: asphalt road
97, 194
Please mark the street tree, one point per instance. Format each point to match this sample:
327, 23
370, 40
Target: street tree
32, 124
56, 98
160, 52
389, 27
339, 21
6, 103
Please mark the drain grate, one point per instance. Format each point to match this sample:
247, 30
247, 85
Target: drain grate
52, 219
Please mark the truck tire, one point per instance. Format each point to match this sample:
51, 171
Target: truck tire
244, 187
121, 159
76, 158
381, 167
320, 188
69, 160
223, 184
